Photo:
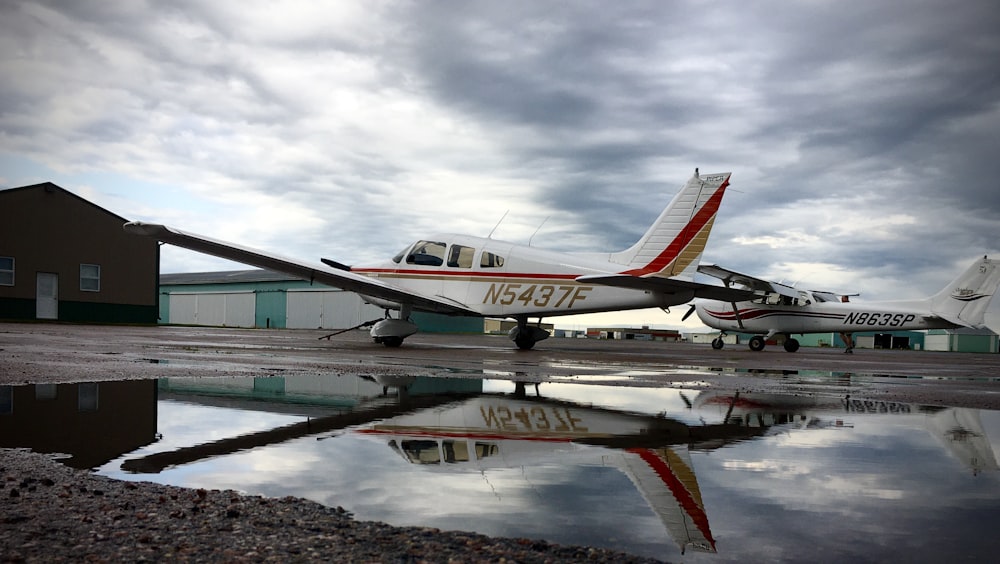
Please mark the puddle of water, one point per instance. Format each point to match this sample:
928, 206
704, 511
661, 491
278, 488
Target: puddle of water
653, 471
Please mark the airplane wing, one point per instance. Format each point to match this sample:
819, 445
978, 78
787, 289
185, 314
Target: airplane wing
665, 285
758, 285
322, 274
731, 277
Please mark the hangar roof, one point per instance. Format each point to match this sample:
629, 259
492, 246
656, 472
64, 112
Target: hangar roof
225, 277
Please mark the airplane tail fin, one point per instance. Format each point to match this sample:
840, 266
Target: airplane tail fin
673, 245
964, 301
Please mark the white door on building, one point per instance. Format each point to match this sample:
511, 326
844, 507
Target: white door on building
47, 296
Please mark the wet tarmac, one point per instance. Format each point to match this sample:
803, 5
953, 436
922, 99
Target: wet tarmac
668, 450
40, 352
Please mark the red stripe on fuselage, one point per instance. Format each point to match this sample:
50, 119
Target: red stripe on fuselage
684, 238
464, 273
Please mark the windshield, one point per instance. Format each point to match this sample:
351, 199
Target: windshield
427, 253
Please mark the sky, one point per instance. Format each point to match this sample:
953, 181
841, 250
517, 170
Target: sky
860, 135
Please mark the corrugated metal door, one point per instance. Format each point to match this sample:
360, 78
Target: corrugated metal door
327, 309
228, 309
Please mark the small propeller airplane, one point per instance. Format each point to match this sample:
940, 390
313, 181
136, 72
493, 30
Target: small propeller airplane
483, 277
783, 310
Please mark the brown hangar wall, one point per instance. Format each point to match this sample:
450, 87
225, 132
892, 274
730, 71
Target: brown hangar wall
48, 231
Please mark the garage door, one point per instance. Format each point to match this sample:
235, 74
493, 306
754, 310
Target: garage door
217, 309
937, 342
327, 309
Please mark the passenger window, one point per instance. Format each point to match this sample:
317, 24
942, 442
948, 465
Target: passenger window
490, 260
455, 451
422, 451
427, 253
461, 256
484, 450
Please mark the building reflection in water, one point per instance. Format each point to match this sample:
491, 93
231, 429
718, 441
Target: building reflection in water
90, 422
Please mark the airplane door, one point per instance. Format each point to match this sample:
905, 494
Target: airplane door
47, 296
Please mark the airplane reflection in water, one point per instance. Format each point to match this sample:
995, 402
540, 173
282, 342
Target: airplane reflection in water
481, 432
499, 431
452, 427
959, 430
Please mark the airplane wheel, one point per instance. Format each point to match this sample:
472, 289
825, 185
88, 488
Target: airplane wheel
791, 345
392, 342
717, 343
756, 343
524, 344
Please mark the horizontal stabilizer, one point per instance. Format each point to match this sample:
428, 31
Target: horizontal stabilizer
661, 285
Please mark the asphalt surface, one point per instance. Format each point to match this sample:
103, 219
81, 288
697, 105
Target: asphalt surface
52, 353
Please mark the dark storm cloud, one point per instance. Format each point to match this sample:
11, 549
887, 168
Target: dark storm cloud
856, 91
555, 82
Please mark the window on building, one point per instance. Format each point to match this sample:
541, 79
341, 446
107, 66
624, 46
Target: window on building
6, 271
45, 392
90, 277
6, 400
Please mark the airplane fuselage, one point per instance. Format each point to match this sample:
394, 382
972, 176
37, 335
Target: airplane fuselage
473, 276
496, 278
827, 317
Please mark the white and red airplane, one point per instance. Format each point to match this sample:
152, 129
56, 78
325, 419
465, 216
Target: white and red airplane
484, 277
783, 310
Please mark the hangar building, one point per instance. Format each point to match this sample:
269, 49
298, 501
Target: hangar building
963, 340
261, 298
64, 258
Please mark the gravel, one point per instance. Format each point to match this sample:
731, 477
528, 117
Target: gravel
52, 513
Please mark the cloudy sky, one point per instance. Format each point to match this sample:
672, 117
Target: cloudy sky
861, 135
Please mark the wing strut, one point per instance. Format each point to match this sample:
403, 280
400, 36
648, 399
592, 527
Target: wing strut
362, 326
736, 312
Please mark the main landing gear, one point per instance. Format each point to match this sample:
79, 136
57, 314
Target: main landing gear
525, 336
391, 332
758, 342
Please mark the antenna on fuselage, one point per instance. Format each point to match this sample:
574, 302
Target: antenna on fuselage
536, 230
490, 236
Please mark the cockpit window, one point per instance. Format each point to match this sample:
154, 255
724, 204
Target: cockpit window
490, 260
460, 256
427, 253
779, 299
399, 256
